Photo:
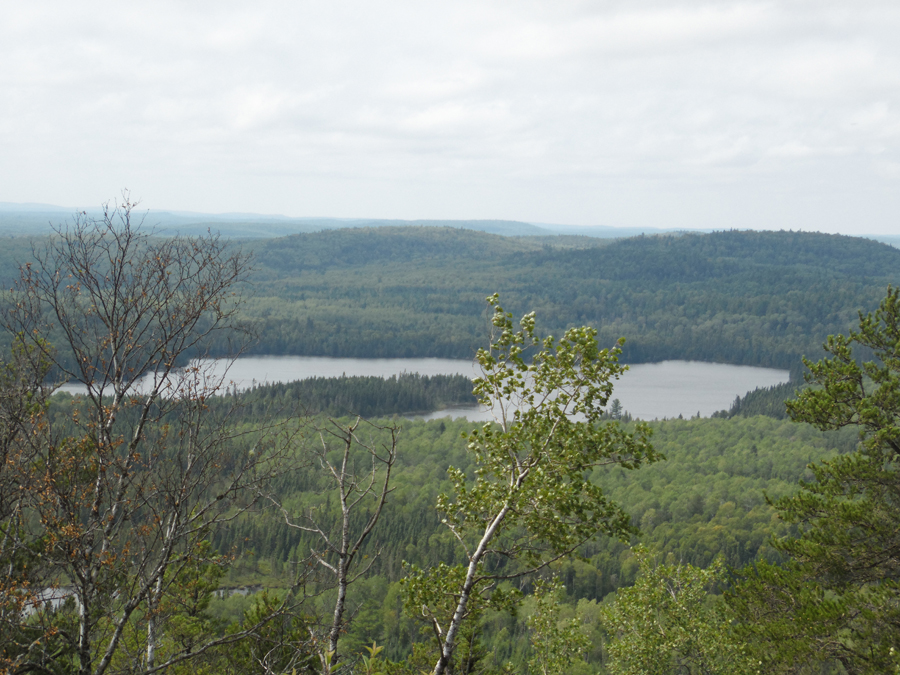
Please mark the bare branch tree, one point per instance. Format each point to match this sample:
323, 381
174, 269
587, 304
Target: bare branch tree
121, 493
359, 471
22, 403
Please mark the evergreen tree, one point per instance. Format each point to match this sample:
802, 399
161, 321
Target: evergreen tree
838, 598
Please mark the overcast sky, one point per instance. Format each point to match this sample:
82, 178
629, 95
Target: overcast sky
770, 115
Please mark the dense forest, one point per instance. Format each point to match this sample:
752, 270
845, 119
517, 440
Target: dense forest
751, 298
747, 298
707, 499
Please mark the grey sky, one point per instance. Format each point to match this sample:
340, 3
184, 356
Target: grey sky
655, 114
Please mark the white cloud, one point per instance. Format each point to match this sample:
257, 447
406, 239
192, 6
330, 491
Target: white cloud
639, 113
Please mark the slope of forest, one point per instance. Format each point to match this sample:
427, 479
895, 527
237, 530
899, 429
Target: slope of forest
749, 298
708, 499
754, 298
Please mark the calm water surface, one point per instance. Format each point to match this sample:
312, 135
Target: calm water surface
671, 388
647, 390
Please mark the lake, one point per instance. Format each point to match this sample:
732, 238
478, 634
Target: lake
671, 388
647, 390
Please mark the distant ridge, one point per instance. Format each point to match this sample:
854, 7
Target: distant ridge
34, 219
735, 296
29, 207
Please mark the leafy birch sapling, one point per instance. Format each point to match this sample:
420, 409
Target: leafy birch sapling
532, 500
668, 623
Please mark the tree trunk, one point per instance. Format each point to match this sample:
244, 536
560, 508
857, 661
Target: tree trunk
339, 605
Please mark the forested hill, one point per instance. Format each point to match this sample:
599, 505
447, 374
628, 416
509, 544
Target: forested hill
721, 255
755, 298
364, 247
758, 298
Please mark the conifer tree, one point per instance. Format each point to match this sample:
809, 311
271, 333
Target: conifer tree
838, 597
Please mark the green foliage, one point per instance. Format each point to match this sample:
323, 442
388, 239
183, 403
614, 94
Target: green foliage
371, 663
706, 500
556, 643
669, 623
837, 599
531, 500
182, 618
183, 612
280, 644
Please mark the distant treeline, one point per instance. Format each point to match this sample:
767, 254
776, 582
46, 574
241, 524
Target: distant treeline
368, 396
